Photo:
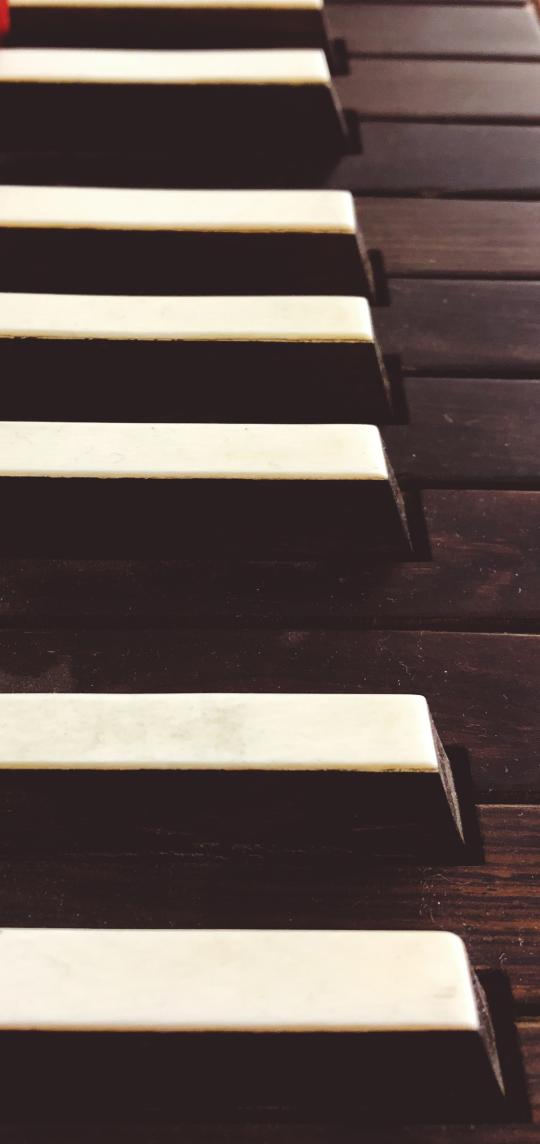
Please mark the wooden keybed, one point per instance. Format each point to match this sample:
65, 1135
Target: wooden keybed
442, 115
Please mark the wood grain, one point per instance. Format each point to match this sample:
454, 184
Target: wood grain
180, 879
462, 328
482, 575
274, 1133
447, 238
469, 432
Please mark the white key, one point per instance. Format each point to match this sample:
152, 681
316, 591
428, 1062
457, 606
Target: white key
170, 68
251, 212
416, 1025
198, 319
235, 980
187, 452
296, 491
87, 240
200, 731
345, 381
153, 5
389, 739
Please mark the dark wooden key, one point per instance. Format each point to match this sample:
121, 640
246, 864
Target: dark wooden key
473, 433
446, 90
492, 4
439, 30
462, 328
443, 159
446, 238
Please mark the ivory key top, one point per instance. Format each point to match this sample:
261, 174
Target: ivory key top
265, 359
243, 490
94, 240
168, 24
248, 1019
368, 769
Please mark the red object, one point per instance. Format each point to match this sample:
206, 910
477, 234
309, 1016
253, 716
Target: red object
4, 17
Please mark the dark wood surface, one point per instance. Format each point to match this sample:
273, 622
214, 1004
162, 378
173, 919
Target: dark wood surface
305, 1132
492, 4
436, 30
443, 159
474, 432
458, 328
444, 238
299, 1133
480, 572
472, 427
442, 90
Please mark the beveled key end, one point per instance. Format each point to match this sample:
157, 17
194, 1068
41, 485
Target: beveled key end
295, 1020
365, 771
246, 491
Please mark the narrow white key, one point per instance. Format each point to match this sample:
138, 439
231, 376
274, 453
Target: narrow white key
185, 319
188, 452
176, 69
393, 1011
200, 211
266, 359
394, 771
284, 491
191, 106
168, 23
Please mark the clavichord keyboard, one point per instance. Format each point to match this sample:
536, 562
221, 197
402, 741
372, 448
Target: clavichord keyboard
269, 591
